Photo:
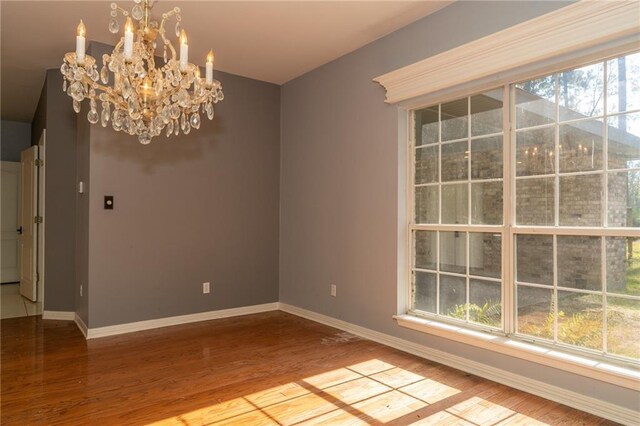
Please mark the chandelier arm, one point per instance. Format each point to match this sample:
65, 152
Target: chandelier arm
106, 90
167, 15
162, 31
167, 42
118, 47
205, 97
173, 91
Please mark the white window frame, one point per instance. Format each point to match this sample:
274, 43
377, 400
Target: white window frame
573, 35
606, 367
510, 230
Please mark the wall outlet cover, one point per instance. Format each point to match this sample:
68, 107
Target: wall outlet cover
206, 288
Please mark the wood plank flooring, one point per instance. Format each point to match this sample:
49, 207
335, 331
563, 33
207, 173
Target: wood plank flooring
271, 368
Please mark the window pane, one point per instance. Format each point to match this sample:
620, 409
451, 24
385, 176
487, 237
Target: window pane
581, 146
485, 306
426, 122
426, 169
486, 203
425, 249
486, 113
427, 203
623, 322
485, 254
534, 152
453, 296
454, 120
579, 262
486, 158
581, 200
424, 291
535, 311
454, 203
623, 83
580, 319
454, 161
453, 252
534, 259
624, 199
623, 265
580, 92
535, 102
624, 141
535, 201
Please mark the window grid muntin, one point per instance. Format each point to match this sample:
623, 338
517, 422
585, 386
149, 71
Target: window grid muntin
577, 230
466, 228
512, 230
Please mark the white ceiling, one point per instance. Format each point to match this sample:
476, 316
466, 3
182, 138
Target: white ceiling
273, 41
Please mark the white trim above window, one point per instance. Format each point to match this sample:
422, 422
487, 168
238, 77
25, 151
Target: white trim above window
579, 26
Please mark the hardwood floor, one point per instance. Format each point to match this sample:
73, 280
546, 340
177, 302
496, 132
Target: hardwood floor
271, 368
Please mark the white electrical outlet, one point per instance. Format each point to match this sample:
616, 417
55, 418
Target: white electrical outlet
334, 290
206, 288
80, 290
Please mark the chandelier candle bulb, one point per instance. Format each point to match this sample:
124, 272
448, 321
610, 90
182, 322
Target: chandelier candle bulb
184, 51
209, 69
80, 42
128, 39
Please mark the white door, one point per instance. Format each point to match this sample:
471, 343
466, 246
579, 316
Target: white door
29, 211
10, 255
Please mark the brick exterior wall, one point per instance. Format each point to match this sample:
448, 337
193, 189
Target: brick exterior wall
579, 258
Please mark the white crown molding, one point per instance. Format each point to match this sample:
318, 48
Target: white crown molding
581, 25
112, 330
553, 393
58, 315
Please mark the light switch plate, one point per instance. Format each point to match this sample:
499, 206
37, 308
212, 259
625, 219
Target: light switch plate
108, 202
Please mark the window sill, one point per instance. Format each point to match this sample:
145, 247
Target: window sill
610, 373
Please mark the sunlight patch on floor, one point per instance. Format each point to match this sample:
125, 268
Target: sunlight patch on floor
477, 411
430, 391
480, 411
371, 392
332, 378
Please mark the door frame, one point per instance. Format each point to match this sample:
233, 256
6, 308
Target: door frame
41, 212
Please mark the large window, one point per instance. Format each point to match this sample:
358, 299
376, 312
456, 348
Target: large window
526, 209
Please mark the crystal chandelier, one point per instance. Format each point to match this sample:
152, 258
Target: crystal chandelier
142, 99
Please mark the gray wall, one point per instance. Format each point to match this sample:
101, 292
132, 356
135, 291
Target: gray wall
60, 193
196, 208
54, 113
82, 215
15, 137
339, 184
39, 121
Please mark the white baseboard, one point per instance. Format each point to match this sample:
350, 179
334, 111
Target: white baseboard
553, 393
81, 325
112, 330
58, 315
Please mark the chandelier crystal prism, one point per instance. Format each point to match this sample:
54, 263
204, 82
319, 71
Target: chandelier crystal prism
136, 96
